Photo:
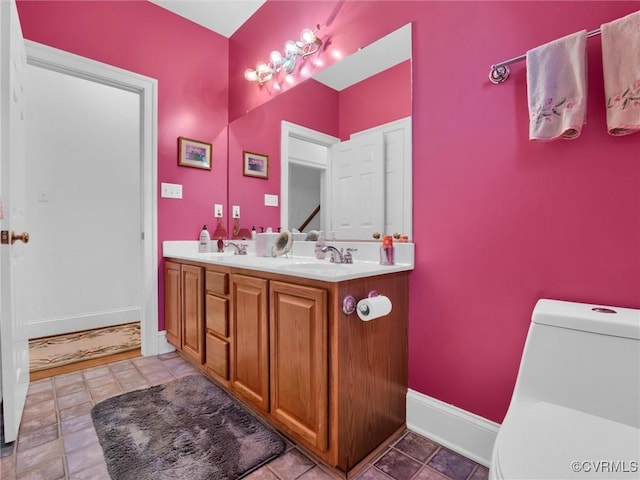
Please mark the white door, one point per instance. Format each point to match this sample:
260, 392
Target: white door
397, 176
13, 329
358, 187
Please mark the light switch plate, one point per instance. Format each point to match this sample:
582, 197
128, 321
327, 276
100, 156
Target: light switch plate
236, 211
270, 200
171, 190
217, 210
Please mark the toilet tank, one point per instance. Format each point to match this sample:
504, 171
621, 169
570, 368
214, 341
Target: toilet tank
585, 357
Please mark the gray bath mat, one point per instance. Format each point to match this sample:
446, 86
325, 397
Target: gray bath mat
186, 429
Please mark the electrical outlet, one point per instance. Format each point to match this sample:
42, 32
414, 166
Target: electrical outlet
236, 211
270, 200
217, 210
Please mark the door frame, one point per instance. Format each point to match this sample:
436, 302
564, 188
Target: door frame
56, 60
287, 131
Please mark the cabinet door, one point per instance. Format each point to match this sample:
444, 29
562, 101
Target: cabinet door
250, 348
299, 361
192, 313
172, 303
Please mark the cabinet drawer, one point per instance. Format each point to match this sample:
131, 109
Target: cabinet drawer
217, 282
218, 356
217, 315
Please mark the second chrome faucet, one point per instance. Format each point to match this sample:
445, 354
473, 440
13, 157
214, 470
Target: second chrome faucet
339, 256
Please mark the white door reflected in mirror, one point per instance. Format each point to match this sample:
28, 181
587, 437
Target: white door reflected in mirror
368, 180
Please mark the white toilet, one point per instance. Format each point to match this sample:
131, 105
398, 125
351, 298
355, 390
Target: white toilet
575, 410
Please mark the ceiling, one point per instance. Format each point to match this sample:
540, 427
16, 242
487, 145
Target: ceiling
221, 16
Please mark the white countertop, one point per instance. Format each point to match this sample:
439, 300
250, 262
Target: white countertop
301, 262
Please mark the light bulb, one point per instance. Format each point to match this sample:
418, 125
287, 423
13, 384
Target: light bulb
290, 48
276, 58
250, 75
289, 63
307, 36
262, 68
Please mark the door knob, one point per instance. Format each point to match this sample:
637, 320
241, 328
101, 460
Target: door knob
23, 237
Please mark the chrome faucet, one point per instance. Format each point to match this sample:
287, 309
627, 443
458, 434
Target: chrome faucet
240, 249
339, 256
336, 255
348, 258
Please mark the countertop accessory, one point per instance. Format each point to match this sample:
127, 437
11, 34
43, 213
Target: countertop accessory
282, 243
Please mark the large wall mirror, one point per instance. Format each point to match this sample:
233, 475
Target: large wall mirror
339, 149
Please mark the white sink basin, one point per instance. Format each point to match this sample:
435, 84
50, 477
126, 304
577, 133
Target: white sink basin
314, 266
217, 255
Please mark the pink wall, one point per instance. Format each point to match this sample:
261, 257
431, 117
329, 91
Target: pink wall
499, 221
380, 99
190, 64
312, 105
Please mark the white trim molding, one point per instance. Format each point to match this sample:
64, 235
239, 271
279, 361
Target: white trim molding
291, 130
47, 327
461, 431
147, 88
163, 345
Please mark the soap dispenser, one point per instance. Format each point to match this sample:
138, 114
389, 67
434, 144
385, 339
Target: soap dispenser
205, 239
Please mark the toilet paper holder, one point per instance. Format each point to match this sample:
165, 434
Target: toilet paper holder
349, 302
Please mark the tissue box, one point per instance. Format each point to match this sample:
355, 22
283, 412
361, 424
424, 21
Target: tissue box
264, 243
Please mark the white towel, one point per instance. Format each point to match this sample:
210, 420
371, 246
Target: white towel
557, 88
621, 65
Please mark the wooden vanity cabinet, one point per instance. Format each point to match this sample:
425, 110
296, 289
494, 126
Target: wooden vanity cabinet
250, 346
217, 332
184, 309
331, 382
299, 361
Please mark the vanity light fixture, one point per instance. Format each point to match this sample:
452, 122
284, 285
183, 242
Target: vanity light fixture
308, 44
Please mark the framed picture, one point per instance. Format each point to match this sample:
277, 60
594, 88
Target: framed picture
255, 165
193, 153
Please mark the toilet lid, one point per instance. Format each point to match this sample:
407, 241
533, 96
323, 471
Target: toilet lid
546, 441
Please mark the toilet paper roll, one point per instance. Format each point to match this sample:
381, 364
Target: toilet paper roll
374, 307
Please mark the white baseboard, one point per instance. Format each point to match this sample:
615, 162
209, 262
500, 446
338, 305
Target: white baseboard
461, 431
163, 345
61, 325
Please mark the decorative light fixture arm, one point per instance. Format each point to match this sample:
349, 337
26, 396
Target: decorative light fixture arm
308, 44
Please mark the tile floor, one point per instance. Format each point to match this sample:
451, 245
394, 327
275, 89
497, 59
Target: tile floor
57, 439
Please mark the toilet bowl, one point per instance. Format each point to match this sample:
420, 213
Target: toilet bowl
575, 409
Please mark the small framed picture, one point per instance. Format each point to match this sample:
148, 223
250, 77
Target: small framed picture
256, 165
194, 153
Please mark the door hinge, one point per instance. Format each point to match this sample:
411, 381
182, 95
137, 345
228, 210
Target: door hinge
142, 235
